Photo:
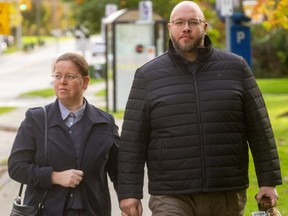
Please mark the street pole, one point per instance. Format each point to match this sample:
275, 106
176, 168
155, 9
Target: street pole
19, 27
226, 10
38, 15
228, 35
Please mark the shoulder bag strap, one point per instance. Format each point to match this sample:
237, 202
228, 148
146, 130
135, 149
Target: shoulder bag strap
41, 204
46, 159
45, 135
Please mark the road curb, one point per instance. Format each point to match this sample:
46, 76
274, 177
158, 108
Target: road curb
8, 128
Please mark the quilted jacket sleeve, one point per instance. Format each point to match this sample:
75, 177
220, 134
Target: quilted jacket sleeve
133, 142
260, 134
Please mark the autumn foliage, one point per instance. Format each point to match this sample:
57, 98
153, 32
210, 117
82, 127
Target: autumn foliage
275, 13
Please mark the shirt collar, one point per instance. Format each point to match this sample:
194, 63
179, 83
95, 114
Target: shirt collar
78, 113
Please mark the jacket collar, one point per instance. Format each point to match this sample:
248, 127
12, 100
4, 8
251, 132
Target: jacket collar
93, 114
203, 53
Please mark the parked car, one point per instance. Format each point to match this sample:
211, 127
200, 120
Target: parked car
5, 42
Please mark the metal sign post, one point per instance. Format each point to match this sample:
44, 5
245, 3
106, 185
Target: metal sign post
226, 10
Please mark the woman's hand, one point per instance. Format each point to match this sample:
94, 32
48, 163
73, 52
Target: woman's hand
68, 178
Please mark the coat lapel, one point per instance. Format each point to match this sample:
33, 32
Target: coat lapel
91, 118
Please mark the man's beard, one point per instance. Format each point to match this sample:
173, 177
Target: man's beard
187, 47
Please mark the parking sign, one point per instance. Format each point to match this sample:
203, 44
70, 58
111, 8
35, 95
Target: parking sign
226, 7
240, 41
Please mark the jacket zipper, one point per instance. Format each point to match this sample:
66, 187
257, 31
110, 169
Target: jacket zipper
160, 157
200, 128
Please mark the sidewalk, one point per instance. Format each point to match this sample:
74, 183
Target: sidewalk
9, 124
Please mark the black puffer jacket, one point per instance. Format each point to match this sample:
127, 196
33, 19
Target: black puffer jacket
194, 129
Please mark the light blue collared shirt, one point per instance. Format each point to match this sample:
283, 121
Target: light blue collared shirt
65, 113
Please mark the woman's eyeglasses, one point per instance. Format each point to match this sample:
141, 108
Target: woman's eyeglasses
68, 77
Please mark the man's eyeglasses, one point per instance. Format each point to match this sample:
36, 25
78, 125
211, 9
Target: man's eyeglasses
182, 23
68, 77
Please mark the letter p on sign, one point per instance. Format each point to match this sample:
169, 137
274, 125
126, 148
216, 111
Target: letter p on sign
240, 35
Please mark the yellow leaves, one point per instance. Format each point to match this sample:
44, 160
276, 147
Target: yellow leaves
275, 13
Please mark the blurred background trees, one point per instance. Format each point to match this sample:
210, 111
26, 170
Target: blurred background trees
269, 38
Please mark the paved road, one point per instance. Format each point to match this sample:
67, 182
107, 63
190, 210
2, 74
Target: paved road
22, 72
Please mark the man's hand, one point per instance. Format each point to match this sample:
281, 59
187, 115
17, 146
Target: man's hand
131, 207
270, 192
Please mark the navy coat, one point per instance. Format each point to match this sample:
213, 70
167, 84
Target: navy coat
99, 155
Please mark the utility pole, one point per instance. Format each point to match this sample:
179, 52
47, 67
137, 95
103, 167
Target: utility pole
19, 27
38, 16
